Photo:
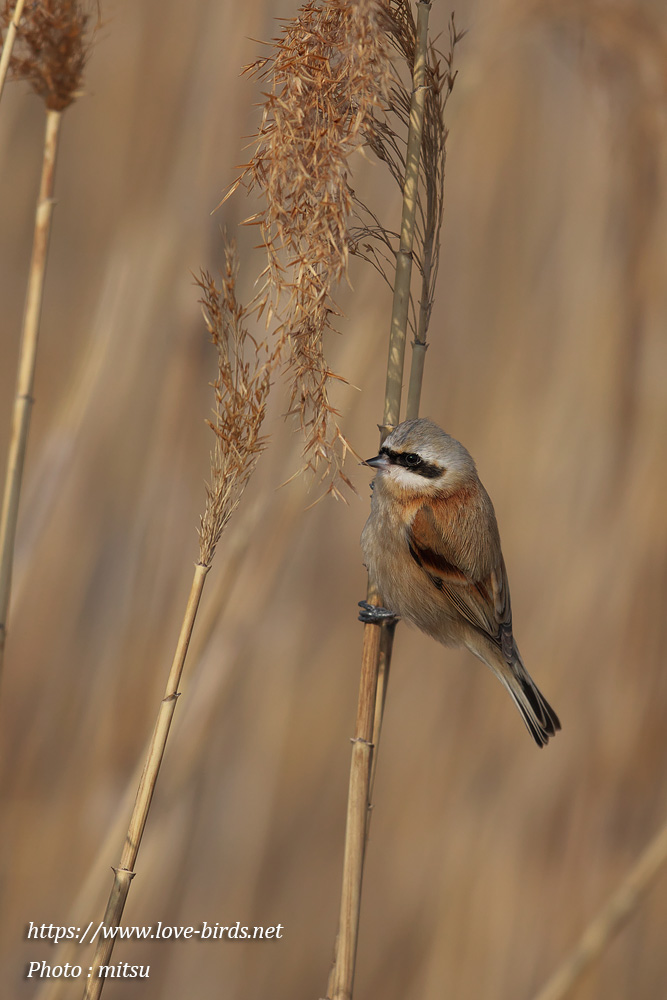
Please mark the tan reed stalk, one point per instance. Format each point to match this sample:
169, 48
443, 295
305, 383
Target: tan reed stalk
241, 391
52, 989
9, 43
401, 302
53, 48
419, 345
386, 650
441, 85
609, 921
342, 978
26, 371
124, 873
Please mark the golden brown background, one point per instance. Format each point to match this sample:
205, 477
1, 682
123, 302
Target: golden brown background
548, 360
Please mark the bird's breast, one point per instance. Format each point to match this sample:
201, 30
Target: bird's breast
392, 569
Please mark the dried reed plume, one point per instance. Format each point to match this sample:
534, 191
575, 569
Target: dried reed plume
241, 392
328, 72
53, 44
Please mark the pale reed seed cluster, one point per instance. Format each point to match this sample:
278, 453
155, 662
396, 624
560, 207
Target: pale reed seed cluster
241, 392
52, 46
328, 72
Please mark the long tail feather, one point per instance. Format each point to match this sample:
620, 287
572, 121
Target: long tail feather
538, 715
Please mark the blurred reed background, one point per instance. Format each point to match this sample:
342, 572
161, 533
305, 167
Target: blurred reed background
547, 359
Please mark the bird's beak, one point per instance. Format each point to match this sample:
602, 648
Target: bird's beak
379, 462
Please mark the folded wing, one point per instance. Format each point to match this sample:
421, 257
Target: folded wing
484, 603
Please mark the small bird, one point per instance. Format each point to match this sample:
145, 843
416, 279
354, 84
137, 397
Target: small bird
432, 549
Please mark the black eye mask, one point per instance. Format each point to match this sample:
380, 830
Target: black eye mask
410, 460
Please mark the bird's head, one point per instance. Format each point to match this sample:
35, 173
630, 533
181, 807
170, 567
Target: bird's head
418, 458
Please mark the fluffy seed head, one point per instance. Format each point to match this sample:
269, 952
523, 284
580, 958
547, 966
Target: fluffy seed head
326, 75
52, 47
241, 391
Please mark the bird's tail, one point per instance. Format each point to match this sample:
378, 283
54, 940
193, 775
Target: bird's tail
538, 715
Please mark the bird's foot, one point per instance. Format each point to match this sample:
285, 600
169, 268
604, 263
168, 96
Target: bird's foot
370, 614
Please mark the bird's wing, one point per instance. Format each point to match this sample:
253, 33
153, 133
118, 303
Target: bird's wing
483, 603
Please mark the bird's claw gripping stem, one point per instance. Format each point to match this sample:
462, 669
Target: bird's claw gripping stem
370, 614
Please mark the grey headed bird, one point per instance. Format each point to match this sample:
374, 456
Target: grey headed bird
432, 549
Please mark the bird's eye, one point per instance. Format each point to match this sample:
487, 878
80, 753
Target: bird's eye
412, 460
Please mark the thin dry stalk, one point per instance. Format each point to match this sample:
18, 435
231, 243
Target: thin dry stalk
342, 976
372, 240
384, 666
26, 372
440, 86
369, 712
609, 921
51, 54
401, 303
8, 44
124, 873
241, 390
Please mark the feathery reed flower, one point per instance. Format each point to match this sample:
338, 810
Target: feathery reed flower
241, 391
52, 47
328, 71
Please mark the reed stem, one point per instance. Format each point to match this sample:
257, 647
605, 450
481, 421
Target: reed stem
26, 370
124, 874
401, 302
419, 345
376, 652
358, 803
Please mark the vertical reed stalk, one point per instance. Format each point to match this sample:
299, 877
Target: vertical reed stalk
357, 808
26, 371
386, 648
419, 344
401, 303
124, 874
9, 43
375, 650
